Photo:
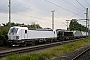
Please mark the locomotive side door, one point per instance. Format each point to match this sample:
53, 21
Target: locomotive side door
25, 34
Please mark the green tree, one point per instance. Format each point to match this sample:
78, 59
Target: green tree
74, 25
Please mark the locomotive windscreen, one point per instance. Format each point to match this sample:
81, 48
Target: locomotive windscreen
13, 30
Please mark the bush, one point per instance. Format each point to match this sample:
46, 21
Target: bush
3, 35
1, 43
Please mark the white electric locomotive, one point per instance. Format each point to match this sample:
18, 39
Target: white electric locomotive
23, 36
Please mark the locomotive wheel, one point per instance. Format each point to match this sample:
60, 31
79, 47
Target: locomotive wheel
9, 45
33, 43
51, 40
25, 44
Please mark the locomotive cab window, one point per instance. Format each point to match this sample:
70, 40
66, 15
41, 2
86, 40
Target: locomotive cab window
13, 30
25, 31
54, 32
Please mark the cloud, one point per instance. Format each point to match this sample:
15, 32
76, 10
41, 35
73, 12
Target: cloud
3, 18
16, 6
40, 10
3, 7
31, 21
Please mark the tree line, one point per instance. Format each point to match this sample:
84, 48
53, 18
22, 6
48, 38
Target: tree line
74, 25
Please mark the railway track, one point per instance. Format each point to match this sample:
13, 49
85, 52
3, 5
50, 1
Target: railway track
81, 54
32, 48
75, 55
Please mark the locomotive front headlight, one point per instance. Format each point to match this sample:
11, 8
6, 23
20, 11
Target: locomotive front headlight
17, 37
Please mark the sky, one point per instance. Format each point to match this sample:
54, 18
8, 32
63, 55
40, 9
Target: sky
39, 11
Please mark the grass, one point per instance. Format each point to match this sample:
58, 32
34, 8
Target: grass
50, 53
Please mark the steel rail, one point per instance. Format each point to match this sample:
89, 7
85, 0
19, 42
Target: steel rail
82, 53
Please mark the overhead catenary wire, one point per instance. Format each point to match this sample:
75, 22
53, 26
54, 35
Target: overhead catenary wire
73, 5
29, 16
28, 6
61, 7
24, 14
80, 4
43, 12
87, 3
33, 9
39, 17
